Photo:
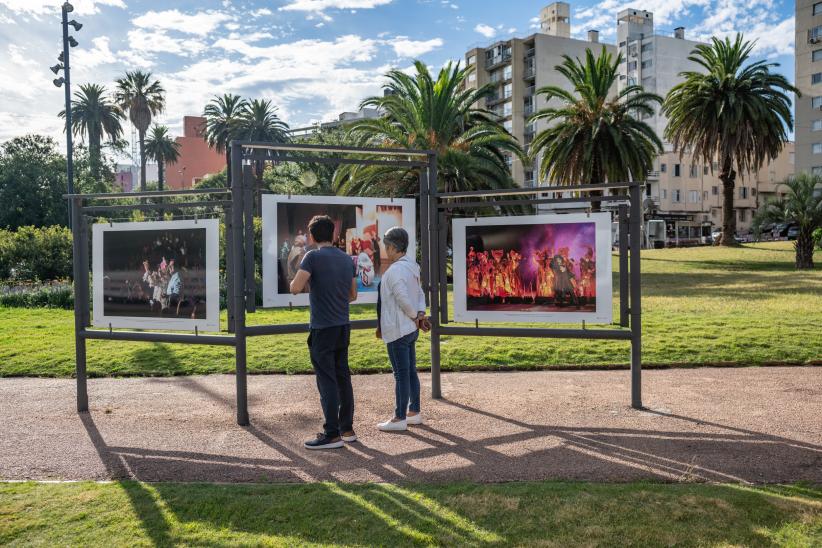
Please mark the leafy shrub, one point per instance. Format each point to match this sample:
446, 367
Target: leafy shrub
817, 236
35, 295
35, 254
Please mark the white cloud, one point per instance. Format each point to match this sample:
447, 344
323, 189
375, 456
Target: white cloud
404, 47
200, 23
322, 5
486, 30
157, 41
52, 7
261, 12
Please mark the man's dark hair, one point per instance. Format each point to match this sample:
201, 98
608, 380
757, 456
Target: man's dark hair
321, 228
396, 237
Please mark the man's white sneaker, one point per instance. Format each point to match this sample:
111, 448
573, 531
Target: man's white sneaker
393, 426
414, 419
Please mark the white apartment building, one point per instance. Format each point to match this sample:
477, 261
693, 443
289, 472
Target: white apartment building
808, 79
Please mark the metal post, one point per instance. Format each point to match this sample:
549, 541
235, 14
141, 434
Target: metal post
80, 273
623, 266
636, 289
442, 261
229, 269
83, 284
67, 90
238, 274
248, 230
433, 265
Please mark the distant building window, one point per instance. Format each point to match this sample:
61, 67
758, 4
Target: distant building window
816, 77
817, 148
753, 191
704, 170
705, 195
508, 125
622, 44
816, 125
507, 91
815, 170
715, 190
817, 8
741, 215
472, 77
692, 171
693, 196
631, 65
506, 108
472, 59
743, 192
506, 73
816, 55
665, 192
647, 64
676, 170
663, 168
647, 47
622, 77
676, 196
816, 102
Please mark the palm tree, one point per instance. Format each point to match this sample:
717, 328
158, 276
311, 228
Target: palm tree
143, 99
259, 122
595, 136
439, 114
95, 116
734, 113
161, 148
801, 204
222, 116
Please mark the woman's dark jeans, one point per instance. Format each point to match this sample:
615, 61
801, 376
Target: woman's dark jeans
403, 356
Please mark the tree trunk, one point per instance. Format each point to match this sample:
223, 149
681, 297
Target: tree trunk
728, 178
228, 166
804, 248
94, 157
160, 175
142, 160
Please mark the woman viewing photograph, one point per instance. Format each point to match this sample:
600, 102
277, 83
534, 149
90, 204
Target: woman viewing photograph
401, 314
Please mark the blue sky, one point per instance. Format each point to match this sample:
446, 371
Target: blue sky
313, 58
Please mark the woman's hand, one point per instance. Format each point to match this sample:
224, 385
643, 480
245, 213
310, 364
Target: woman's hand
378, 333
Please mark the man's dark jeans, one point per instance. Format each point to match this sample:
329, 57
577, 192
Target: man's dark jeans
329, 356
402, 354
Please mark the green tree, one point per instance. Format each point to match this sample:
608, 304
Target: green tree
161, 148
143, 99
802, 205
439, 114
32, 183
595, 136
259, 122
222, 116
94, 116
734, 113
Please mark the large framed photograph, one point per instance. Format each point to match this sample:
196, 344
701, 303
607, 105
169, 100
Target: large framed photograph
536, 268
359, 226
157, 275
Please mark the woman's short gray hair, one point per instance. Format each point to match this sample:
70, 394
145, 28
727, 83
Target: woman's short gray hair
397, 237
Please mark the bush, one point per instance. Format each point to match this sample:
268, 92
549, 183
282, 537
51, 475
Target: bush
36, 254
51, 295
817, 237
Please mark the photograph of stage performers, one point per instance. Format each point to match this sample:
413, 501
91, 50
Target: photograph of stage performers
356, 231
155, 273
534, 267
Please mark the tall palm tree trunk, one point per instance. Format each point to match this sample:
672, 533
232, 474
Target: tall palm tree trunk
804, 248
160, 175
142, 160
228, 167
728, 178
94, 156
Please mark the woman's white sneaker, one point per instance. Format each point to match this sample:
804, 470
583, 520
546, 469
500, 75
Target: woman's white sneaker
393, 426
414, 419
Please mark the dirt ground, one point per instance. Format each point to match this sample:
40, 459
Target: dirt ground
753, 425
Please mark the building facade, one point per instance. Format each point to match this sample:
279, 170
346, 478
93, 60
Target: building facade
808, 79
197, 159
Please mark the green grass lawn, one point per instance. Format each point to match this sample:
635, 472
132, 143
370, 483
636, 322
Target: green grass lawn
525, 514
704, 305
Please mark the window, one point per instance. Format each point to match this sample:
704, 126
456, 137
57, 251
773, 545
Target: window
704, 170
816, 125
506, 73
622, 44
472, 77
472, 59
647, 64
506, 108
715, 166
816, 77
506, 92
715, 190
676, 196
693, 196
705, 195
817, 8
508, 125
631, 65
816, 102
676, 170
692, 171
647, 47
622, 77
816, 148
663, 168
816, 55
753, 191
743, 192
815, 170
741, 215
665, 192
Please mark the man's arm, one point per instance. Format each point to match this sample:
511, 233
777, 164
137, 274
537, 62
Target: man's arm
352, 293
300, 281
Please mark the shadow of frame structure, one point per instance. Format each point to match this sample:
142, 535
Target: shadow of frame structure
236, 206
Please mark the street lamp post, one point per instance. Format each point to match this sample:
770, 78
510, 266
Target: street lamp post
65, 81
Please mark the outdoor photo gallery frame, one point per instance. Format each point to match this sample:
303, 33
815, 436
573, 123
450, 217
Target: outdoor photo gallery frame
349, 221
465, 307
202, 303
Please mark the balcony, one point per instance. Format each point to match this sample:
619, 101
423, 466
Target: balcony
530, 91
529, 53
491, 62
528, 136
530, 72
528, 110
815, 35
652, 176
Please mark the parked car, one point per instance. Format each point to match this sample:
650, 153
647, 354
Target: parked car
793, 232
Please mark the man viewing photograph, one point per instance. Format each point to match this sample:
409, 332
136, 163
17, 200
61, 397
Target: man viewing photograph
331, 279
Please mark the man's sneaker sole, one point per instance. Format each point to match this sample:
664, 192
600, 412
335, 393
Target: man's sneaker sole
332, 445
349, 439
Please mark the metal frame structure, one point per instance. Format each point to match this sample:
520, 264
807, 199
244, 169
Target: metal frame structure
434, 209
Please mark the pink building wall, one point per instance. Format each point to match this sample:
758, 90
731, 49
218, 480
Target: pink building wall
197, 159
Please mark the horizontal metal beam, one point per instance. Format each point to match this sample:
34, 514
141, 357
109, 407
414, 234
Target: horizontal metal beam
150, 194
291, 328
531, 201
182, 205
535, 190
536, 332
332, 149
336, 160
148, 336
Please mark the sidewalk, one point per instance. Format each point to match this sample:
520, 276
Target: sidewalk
728, 425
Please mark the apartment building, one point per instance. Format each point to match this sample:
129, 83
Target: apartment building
519, 66
808, 79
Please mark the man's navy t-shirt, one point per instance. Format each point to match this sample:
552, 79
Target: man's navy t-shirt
330, 285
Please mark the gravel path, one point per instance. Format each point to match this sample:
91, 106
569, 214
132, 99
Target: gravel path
739, 425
